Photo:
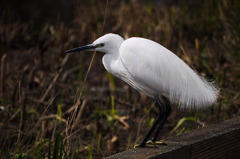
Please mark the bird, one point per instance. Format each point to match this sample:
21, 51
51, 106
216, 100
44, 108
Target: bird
152, 69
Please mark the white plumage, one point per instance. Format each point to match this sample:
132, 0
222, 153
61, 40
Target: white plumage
152, 69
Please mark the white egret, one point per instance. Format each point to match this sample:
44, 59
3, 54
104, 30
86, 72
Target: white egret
152, 69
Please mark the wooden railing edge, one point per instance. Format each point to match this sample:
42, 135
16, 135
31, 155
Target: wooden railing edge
220, 140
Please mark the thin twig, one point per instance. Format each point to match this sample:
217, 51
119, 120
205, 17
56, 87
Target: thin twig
38, 122
83, 105
143, 119
73, 117
55, 78
2, 73
78, 102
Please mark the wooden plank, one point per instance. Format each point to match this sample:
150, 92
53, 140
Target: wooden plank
218, 141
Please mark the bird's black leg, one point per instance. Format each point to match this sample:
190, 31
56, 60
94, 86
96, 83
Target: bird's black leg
156, 122
165, 116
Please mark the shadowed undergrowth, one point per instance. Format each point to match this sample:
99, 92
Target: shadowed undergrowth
49, 110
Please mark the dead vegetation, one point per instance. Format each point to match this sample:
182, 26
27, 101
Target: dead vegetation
56, 106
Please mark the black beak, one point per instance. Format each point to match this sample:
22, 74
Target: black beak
89, 47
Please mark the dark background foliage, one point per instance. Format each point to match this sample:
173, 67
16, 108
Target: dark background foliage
51, 106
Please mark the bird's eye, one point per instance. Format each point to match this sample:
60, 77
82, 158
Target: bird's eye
99, 45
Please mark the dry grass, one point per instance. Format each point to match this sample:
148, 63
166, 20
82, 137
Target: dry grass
50, 108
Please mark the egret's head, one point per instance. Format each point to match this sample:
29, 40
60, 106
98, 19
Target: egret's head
107, 43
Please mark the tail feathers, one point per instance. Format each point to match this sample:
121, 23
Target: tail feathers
200, 95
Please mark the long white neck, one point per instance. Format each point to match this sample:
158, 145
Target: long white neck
112, 44
110, 62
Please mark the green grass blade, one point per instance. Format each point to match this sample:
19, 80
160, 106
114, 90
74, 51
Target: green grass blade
18, 156
39, 147
49, 150
112, 82
57, 147
182, 121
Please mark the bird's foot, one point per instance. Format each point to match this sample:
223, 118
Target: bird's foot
137, 146
150, 144
145, 145
160, 142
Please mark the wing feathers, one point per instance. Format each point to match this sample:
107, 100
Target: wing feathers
153, 69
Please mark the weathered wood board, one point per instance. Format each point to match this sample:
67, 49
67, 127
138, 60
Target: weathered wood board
217, 141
